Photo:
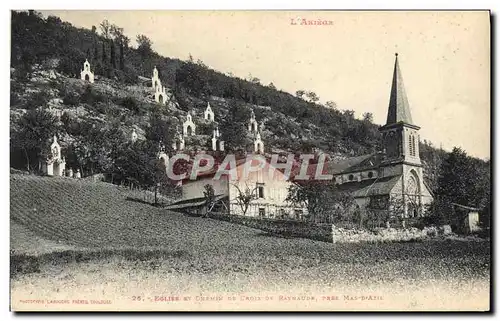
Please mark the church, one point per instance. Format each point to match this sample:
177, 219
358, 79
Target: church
394, 174
376, 181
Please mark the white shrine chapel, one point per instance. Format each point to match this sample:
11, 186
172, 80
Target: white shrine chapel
86, 74
54, 164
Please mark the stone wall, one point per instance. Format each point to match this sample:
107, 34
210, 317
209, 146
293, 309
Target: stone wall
341, 235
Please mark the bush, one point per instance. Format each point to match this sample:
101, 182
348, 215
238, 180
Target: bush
71, 98
37, 99
14, 99
205, 128
130, 103
91, 96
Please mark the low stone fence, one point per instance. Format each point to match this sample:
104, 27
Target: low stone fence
341, 235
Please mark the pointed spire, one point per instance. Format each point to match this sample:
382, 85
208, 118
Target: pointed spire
399, 108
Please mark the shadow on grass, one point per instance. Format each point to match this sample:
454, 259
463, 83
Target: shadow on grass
287, 235
23, 263
138, 200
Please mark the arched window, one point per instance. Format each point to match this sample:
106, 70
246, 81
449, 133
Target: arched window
370, 174
351, 177
414, 146
410, 145
413, 193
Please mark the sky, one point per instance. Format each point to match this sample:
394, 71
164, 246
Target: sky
444, 58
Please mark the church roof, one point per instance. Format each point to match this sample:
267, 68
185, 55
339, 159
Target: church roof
399, 108
335, 167
376, 186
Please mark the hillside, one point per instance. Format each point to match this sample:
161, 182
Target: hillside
86, 214
61, 215
94, 122
86, 240
45, 71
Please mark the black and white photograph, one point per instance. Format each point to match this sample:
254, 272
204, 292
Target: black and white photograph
230, 160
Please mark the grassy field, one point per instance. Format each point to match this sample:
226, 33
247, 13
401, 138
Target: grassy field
73, 239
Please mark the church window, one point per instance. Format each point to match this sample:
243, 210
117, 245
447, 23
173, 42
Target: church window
414, 146
260, 190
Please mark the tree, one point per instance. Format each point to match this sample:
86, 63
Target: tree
96, 52
331, 104
116, 32
312, 96
122, 41
144, 45
322, 198
457, 180
122, 57
160, 130
104, 56
300, 93
105, 27
37, 99
209, 194
368, 117
31, 134
112, 56
432, 160
244, 197
234, 124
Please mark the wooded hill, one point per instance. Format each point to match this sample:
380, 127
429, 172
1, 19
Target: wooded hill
95, 121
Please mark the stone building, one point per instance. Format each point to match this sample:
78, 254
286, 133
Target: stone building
208, 114
253, 126
268, 185
155, 80
133, 136
162, 155
189, 128
179, 142
54, 164
217, 143
258, 144
377, 181
395, 175
86, 74
161, 95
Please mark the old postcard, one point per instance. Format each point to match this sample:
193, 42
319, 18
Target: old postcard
250, 161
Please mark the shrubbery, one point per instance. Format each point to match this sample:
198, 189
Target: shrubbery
71, 98
132, 104
91, 96
37, 99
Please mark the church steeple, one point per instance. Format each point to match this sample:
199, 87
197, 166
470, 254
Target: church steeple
399, 108
400, 135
